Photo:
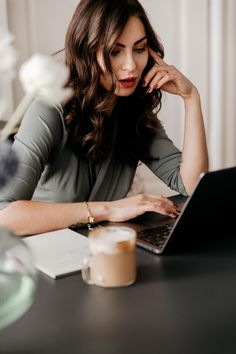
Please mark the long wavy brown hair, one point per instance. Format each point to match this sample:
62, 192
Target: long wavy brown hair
96, 25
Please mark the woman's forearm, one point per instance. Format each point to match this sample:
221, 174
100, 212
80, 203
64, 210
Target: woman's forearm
32, 217
194, 153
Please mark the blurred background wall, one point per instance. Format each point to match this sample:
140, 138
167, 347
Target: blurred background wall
199, 37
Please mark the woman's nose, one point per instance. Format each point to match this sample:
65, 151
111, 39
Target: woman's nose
129, 63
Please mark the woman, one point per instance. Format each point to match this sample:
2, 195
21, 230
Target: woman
89, 149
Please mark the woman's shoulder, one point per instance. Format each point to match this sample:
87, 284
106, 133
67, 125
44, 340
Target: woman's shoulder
43, 119
39, 111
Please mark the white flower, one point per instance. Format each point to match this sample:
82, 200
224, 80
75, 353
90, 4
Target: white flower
8, 55
44, 77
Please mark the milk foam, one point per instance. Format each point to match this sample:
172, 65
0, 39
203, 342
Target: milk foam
108, 239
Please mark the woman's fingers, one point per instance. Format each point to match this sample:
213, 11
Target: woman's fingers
157, 204
158, 82
129, 208
157, 76
156, 57
153, 77
164, 206
166, 77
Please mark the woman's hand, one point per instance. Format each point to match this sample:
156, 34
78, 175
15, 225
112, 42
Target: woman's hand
167, 78
128, 208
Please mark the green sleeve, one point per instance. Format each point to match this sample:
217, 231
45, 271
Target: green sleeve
41, 133
165, 161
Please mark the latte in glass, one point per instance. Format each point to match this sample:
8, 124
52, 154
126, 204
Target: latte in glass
112, 261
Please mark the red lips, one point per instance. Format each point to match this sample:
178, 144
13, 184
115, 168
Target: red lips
128, 82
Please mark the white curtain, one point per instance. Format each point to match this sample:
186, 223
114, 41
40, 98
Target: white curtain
200, 39
222, 77
6, 91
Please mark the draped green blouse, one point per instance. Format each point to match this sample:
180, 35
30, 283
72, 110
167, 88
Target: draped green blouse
50, 171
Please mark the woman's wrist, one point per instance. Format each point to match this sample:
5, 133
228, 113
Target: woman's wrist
99, 211
192, 96
89, 213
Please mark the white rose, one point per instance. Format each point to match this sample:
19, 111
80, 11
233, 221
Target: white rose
44, 77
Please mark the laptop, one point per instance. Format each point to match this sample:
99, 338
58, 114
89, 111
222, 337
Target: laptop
208, 214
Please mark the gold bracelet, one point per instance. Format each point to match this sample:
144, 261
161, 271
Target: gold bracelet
90, 217
88, 224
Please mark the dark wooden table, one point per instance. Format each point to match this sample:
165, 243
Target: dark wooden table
183, 303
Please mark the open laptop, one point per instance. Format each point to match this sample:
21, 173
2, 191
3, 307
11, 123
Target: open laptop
209, 213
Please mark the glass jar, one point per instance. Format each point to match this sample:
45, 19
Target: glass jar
18, 278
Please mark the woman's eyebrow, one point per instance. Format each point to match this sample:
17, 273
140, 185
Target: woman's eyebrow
135, 43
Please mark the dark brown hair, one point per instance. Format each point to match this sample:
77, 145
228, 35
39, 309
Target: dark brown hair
97, 24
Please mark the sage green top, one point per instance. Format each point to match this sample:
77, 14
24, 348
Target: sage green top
50, 171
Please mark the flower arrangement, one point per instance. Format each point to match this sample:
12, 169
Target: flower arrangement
41, 76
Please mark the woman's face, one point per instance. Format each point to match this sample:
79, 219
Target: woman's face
128, 58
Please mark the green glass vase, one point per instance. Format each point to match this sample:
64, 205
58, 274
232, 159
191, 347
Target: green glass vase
18, 278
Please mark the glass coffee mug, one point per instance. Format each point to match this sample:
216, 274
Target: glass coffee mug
112, 259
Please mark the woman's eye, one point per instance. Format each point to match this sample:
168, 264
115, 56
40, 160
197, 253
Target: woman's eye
140, 50
114, 53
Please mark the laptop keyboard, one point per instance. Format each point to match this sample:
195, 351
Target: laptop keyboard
156, 235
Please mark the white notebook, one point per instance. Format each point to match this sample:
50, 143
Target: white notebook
58, 253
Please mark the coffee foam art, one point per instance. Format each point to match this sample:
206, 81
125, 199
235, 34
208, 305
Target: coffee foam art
112, 240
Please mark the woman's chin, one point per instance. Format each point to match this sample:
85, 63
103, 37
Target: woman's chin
124, 92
